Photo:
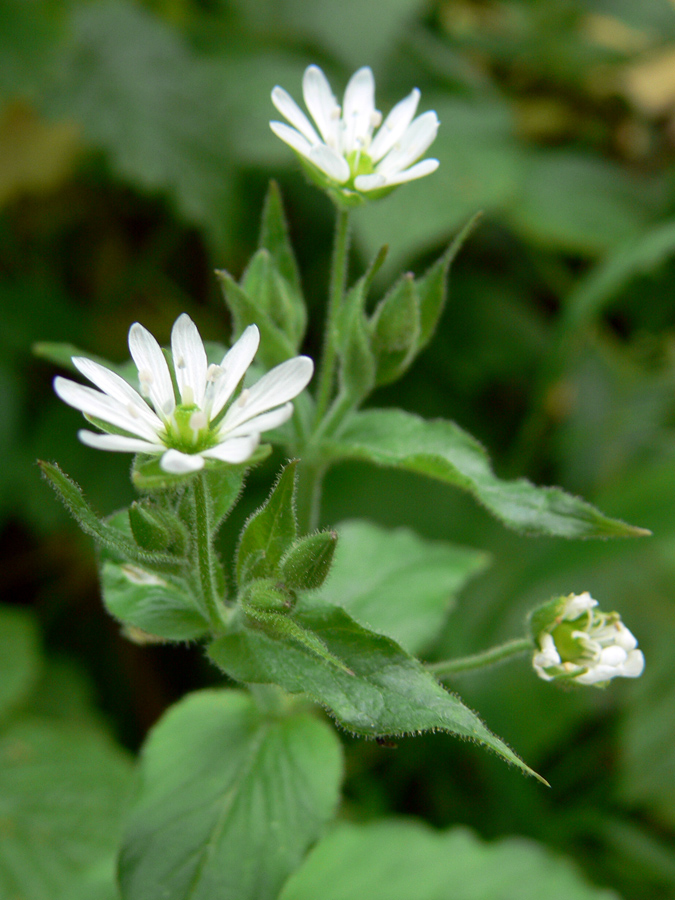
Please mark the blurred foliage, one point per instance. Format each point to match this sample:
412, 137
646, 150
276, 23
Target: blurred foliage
134, 157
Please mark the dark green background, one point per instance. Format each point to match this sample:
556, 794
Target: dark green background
134, 158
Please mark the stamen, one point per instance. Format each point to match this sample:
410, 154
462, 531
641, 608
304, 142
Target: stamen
214, 372
145, 379
188, 395
180, 362
131, 409
243, 397
376, 119
335, 112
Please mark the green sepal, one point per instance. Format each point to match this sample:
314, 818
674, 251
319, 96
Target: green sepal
271, 292
148, 476
432, 286
266, 595
275, 346
307, 563
546, 616
158, 529
282, 627
395, 330
269, 532
73, 499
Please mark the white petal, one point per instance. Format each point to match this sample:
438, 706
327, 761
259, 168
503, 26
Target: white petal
150, 361
291, 111
358, 110
117, 388
234, 365
321, 104
412, 145
419, 170
292, 137
635, 664
101, 406
236, 450
279, 385
189, 360
330, 162
370, 182
180, 463
613, 656
264, 422
118, 442
394, 126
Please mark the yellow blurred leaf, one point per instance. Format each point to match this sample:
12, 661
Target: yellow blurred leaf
651, 84
35, 156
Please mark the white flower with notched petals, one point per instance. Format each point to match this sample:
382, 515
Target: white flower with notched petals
581, 644
191, 422
342, 146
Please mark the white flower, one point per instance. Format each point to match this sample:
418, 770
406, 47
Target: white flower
189, 423
343, 146
582, 644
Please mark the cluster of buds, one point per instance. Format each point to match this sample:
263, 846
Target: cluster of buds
577, 642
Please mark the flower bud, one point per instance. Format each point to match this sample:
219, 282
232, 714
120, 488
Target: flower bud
577, 642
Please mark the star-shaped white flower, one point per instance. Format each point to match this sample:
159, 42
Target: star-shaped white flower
194, 423
343, 148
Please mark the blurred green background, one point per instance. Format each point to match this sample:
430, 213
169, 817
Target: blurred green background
134, 157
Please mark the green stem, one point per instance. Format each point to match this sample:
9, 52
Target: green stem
308, 498
203, 533
338, 278
481, 660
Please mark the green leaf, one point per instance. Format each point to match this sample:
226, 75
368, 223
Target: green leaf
275, 346
275, 239
397, 583
406, 860
230, 800
145, 600
270, 531
20, 661
62, 354
579, 203
395, 330
73, 499
273, 295
387, 693
63, 789
442, 450
432, 286
307, 563
155, 528
154, 108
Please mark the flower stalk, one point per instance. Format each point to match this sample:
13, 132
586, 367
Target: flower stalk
483, 660
203, 549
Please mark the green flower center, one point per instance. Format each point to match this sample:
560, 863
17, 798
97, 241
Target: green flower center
570, 649
189, 430
359, 164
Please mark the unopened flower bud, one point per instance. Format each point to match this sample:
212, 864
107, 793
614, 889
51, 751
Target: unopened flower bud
577, 642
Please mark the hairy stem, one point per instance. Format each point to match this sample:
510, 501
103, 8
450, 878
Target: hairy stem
203, 537
490, 657
338, 277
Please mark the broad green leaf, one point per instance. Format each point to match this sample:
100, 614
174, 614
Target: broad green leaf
353, 30
63, 789
605, 281
153, 108
582, 204
406, 860
275, 239
230, 800
387, 693
20, 661
275, 346
397, 583
444, 451
270, 531
145, 600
